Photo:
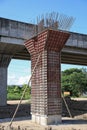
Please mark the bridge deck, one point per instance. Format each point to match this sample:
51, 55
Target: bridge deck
13, 34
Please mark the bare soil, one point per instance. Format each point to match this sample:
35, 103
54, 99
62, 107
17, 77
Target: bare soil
78, 109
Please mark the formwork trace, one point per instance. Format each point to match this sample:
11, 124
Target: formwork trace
46, 104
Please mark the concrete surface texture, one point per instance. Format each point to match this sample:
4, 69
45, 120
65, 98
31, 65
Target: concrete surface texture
4, 62
3, 86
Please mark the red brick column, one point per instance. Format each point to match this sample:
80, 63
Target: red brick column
46, 81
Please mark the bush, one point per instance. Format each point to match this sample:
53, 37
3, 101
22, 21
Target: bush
11, 96
15, 93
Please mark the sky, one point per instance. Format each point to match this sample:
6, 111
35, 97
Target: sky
19, 71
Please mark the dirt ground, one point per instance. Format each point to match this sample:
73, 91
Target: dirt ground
25, 123
78, 122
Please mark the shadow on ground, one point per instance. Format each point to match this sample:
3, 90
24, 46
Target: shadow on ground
77, 108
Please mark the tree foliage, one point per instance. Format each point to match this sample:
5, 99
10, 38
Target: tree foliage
75, 81
15, 92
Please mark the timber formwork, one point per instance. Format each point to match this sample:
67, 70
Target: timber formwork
46, 81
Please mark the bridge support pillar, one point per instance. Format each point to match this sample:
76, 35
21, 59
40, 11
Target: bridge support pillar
4, 62
46, 81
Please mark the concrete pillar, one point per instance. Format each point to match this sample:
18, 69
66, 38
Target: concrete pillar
46, 102
3, 86
4, 62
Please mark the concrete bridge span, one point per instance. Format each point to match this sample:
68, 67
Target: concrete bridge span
13, 34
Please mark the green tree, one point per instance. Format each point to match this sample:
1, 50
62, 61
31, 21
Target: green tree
75, 81
15, 92
17, 89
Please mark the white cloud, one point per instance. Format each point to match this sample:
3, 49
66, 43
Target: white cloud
15, 80
23, 80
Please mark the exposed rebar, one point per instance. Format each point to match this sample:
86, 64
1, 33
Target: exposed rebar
54, 21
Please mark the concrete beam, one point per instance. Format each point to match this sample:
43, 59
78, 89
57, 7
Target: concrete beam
16, 29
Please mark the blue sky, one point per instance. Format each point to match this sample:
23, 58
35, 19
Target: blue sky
27, 11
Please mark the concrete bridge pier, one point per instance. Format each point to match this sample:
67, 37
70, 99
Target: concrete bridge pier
4, 62
46, 82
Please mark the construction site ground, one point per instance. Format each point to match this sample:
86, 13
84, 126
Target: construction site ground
22, 121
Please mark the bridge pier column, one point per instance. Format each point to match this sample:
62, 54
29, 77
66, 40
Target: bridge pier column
4, 62
46, 81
